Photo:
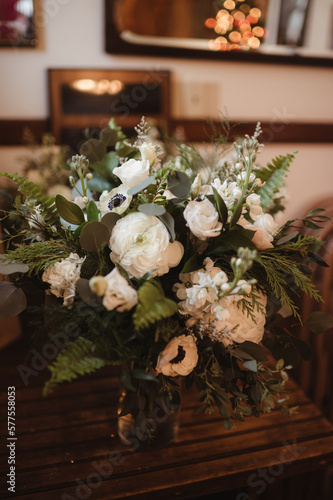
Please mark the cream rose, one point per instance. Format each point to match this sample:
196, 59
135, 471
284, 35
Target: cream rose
240, 326
140, 243
202, 219
62, 277
264, 228
132, 172
116, 291
179, 357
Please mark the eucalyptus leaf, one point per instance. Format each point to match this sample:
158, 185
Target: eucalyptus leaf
94, 235
169, 222
12, 300
251, 365
110, 219
68, 210
142, 375
179, 184
93, 149
86, 294
141, 185
287, 238
108, 136
11, 266
257, 352
151, 209
106, 165
191, 264
319, 322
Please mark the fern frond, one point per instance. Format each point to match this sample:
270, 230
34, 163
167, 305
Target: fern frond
75, 360
33, 192
153, 305
273, 176
38, 255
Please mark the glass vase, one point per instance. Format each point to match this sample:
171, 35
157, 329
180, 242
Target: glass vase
155, 425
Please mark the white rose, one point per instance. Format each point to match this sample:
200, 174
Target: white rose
140, 243
267, 224
241, 327
117, 292
202, 219
148, 153
262, 238
179, 357
132, 172
117, 200
62, 277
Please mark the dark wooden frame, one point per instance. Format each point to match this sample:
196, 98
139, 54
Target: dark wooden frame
115, 45
59, 120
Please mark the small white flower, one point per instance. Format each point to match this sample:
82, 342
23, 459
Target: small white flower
62, 277
202, 219
253, 201
117, 200
78, 200
117, 292
140, 243
132, 172
179, 357
148, 153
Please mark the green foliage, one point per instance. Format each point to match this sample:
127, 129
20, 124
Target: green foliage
38, 255
153, 305
76, 359
273, 175
34, 192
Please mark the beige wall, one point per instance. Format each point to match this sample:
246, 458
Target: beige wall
72, 36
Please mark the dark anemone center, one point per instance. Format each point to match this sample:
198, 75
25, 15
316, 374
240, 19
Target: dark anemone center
116, 201
180, 356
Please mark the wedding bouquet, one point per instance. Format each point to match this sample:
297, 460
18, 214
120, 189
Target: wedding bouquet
170, 266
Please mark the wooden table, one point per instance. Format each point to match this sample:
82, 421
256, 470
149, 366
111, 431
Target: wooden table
69, 441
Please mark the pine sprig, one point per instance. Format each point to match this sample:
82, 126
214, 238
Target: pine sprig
75, 360
33, 192
273, 175
38, 255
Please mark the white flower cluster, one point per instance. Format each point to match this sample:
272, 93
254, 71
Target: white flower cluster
62, 277
210, 300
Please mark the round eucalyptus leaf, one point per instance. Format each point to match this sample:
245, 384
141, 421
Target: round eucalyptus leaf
179, 184
169, 222
94, 235
108, 136
93, 149
12, 300
11, 266
110, 219
151, 209
141, 185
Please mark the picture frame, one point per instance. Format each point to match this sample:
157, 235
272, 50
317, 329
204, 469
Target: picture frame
18, 23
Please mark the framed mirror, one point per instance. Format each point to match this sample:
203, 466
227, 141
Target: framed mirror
274, 31
17, 23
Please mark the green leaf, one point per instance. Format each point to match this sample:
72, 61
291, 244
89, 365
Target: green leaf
86, 294
151, 209
92, 211
93, 149
257, 352
319, 322
153, 305
142, 375
220, 205
12, 300
287, 238
108, 136
232, 240
99, 184
106, 165
179, 184
169, 222
8, 266
76, 359
141, 185
68, 210
273, 175
94, 236
191, 264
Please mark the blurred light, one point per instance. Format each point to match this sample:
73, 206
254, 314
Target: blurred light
210, 23
253, 42
244, 8
251, 19
255, 13
238, 15
235, 36
258, 31
98, 87
222, 13
229, 4
244, 26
